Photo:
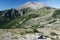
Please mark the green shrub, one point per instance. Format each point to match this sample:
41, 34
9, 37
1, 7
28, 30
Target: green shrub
34, 31
53, 33
57, 14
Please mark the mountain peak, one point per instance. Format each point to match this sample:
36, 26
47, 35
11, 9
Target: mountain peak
29, 2
34, 5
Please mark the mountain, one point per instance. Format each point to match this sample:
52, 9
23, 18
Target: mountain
26, 16
33, 5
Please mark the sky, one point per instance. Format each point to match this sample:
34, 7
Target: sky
7, 4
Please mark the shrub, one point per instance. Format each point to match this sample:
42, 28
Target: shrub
34, 31
57, 14
53, 33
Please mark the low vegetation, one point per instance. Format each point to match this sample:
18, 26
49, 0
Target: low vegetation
53, 34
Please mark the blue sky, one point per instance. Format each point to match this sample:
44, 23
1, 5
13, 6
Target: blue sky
7, 4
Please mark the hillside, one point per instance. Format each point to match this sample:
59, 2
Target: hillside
12, 18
